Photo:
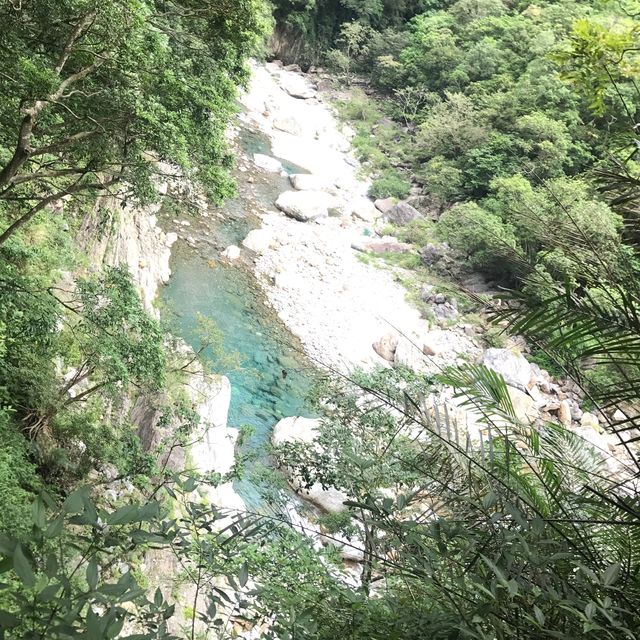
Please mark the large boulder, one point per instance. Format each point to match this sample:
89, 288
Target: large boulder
524, 405
401, 214
564, 413
267, 163
258, 240
288, 124
409, 355
431, 254
310, 182
511, 364
386, 244
295, 429
384, 205
363, 209
305, 205
231, 253
298, 87
386, 346
305, 430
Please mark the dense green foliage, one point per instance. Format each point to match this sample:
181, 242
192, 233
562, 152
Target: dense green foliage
522, 545
98, 97
306, 29
94, 93
510, 106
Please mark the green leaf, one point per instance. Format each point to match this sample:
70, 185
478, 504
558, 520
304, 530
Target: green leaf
489, 500
611, 574
39, 513
55, 527
95, 626
22, 567
7, 545
75, 501
243, 576
49, 592
8, 620
92, 574
124, 515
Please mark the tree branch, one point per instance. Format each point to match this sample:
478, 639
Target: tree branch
74, 188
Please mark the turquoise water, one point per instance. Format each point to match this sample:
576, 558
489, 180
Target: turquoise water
274, 378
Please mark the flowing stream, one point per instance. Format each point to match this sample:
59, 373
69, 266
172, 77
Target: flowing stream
274, 378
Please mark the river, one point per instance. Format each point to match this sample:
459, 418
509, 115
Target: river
274, 377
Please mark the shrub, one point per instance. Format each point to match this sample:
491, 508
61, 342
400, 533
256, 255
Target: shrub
18, 479
481, 236
442, 180
390, 185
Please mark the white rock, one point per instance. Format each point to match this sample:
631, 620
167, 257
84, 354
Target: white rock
363, 209
231, 252
170, 239
511, 364
350, 550
385, 205
305, 205
590, 420
295, 429
213, 451
258, 240
297, 87
267, 163
619, 416
310, 182
305, 430
288, 124
386, 346
523, 405
409, 355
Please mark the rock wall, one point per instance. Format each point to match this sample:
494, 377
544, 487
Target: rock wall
214, 448
115, 235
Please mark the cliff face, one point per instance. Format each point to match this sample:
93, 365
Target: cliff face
115, 235
288, 44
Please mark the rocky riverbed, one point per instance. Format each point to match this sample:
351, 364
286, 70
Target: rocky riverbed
307, 257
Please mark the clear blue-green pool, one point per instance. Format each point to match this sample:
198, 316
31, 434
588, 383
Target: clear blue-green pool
274, 378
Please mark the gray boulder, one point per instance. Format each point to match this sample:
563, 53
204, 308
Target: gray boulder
387, 245
445, 311
401, 214
513, 366
431, 254
298, 87
385, 205
305, 205
426, 293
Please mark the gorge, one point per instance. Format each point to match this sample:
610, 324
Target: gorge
319, 319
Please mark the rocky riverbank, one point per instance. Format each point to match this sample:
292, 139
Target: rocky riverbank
304, 256
307, 257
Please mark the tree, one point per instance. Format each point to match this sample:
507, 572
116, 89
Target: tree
479, 235
97, 92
